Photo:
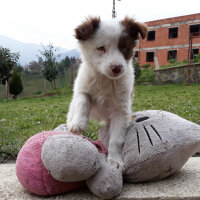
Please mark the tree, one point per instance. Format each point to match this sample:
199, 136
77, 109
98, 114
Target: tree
7, 61
73, 60
47, 61
66, 62
15, 84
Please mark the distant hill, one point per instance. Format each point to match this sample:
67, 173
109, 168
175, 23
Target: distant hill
71, 53
28, 51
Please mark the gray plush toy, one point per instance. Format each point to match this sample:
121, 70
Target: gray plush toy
72, 158
157, 144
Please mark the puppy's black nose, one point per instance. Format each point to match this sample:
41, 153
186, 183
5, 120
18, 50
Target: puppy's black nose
116, 69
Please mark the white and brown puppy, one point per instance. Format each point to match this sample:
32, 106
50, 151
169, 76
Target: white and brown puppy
105, 79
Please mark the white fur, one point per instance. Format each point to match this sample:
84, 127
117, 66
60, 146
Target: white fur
100, 95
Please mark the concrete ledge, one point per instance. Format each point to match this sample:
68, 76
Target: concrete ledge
182, 185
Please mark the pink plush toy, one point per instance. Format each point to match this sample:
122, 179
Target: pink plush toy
32, 173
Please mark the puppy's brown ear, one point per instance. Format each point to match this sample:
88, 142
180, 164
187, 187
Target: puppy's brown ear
87, 28
134, 28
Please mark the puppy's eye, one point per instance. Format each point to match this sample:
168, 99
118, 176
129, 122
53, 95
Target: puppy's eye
101, 48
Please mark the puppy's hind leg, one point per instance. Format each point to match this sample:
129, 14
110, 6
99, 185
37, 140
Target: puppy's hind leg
78, 115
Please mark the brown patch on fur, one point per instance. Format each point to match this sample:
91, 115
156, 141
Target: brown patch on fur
134, 28
126, 45
129, 36
87, 28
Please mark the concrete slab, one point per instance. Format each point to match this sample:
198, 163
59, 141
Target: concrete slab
182, 185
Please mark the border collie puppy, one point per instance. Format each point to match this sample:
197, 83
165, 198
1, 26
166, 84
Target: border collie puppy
104, 85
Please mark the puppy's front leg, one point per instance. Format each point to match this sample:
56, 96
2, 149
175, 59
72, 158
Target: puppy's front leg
78, 115
117, 133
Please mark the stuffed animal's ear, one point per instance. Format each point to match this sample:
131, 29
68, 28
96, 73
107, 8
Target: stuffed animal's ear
87, 28
134, 28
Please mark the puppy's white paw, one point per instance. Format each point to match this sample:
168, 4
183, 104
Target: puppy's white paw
117, 162
77, 127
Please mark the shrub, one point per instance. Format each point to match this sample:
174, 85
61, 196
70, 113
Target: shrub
172, 61
15, 84
146, 66
185, 62
196, 58
137, 70
147, 76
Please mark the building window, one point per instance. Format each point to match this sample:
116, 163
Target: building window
173, 32
195, 28
151, 35
136, 54
149, 56
172, 55
194, 53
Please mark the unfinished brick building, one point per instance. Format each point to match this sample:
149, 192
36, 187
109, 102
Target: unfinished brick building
168, 39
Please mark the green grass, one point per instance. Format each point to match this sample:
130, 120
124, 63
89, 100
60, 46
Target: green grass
22, 118
179, 99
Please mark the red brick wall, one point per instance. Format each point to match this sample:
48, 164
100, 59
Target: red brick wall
162, 40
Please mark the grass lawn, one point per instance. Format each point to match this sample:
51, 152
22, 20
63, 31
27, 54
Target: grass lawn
22, 118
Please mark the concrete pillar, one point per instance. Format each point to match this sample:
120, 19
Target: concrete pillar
156, 61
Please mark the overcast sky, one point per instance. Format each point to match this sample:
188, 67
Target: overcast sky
44, 21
